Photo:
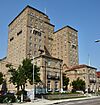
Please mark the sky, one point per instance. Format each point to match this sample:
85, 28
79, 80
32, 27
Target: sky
83, 15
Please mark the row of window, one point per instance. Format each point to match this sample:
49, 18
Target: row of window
35, 32
12, 38
49, 73
49, 86
35, 45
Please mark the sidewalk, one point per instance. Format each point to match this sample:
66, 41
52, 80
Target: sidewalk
49, 102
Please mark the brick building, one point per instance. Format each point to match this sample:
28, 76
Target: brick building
66, 46
31, 33
84, 72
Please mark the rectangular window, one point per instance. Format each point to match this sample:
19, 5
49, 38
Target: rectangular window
34, 45
30, 31
39, 46
11, 38
19, 32
36, 33
56, 86
73, 46
35, 39
30, 37
48, 86
39, 40
34, 52
30, 44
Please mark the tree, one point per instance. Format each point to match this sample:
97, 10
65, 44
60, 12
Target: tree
28, 69
3, 82
23, 74
65, 82
78, 84
1, 78
4, 87
14, 76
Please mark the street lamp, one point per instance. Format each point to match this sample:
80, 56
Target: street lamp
60, 79
33, 82
45, 77
97, 40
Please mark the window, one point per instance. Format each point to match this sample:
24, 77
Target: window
36, 33
35, 39
34, 45
56, 74
30, 31
30, 37
19, 32
56, 85
49, 73
48, 85
11, 38
49, 62
73, 46
30, 51
83, 70
39, 46
30, 44
39, 40
34, 52
32, 14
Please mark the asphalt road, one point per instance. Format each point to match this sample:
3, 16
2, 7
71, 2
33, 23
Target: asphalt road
94, 101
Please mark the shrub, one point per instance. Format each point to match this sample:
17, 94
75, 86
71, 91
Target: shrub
7, 98
25, 98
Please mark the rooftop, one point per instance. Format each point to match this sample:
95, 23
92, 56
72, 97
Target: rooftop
98, 74
81, 66
66, 27
3, 59
24, 10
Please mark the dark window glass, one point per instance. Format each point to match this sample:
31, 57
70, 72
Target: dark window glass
11, 38
36, 33
19, 32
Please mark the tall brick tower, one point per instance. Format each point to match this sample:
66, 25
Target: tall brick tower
66, 45
29, 32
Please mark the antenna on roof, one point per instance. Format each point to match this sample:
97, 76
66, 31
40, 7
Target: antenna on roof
45, 10
89, 61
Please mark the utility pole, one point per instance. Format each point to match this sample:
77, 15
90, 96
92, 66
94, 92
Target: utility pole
33, 82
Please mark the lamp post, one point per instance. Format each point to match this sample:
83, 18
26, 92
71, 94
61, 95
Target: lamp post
33, 90
61, 79
45, 78
97, 40
33, 82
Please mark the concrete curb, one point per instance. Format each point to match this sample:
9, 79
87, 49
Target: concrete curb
50, 102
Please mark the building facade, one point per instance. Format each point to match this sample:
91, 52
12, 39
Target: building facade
86, 73
4, 70
51, 72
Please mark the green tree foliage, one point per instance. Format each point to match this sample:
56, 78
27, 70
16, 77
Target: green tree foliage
1, 78
65, 82
23, 74
14, 76
78, 84
28, 69
4, 87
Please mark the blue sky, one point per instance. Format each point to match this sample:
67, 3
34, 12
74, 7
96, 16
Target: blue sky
83, 15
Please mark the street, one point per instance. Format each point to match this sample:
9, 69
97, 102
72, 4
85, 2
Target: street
94, 101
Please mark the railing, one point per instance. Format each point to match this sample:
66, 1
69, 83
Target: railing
53, 77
